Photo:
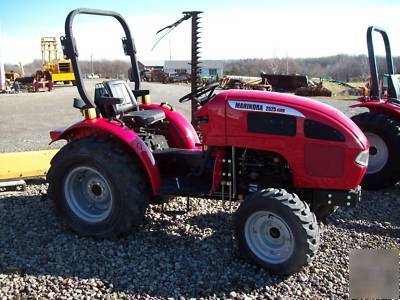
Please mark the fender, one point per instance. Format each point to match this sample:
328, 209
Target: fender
113, 130
385, 107
181, 133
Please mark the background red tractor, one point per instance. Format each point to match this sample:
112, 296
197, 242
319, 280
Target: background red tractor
42, 81
264, 149
381, 124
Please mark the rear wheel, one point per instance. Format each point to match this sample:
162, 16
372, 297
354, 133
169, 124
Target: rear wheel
277, 231
97, 188
383, 134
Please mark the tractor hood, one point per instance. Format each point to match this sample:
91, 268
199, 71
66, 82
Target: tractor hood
298, 106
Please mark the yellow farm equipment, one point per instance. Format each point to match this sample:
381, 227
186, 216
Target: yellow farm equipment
15, 167
60, 69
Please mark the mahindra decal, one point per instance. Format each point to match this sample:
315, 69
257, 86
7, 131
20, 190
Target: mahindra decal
264, 107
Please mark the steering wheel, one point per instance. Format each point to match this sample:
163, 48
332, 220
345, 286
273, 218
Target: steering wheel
201, 91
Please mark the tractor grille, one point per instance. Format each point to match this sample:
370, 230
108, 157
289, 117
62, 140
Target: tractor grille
324, 160
64, 67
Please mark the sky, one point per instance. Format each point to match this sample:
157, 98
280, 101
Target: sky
230, 29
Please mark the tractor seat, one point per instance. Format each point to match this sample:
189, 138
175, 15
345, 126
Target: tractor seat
115, 99
146, 117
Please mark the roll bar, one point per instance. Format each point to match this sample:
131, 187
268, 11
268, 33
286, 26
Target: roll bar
375, 88
71, 51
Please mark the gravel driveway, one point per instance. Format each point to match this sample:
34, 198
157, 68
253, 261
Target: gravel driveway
173, 255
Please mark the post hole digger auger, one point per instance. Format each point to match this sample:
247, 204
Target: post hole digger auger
264, 149
381, 124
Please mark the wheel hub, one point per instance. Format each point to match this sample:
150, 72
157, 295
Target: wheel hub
378, 153
274, 232
373, 151
269, 237
88, 194
96, 190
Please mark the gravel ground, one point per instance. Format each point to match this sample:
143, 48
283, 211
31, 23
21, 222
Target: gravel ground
175, 255
171, 255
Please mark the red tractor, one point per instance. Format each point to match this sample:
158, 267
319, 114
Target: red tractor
381, 124
264, 149
42, 81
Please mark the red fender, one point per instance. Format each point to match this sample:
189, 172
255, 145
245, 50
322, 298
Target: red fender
384, 107
112, 130
181, 133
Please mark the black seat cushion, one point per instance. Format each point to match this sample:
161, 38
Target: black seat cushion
128, 107
146, 117
114, 89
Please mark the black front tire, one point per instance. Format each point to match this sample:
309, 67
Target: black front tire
125, 178
388, 130
295, 215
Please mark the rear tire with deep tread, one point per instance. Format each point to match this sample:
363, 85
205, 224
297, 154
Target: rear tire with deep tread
298, 218
126, 179
388, 130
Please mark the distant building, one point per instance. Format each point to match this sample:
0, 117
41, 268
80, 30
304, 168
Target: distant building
208, 67
151, 68
143, 67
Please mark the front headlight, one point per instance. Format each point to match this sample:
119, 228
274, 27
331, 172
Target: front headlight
362, 158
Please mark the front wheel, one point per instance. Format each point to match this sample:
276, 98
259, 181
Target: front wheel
277, 231
383, 134
97, 188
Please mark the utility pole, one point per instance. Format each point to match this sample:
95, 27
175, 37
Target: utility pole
169, 42
287, 63
91, 64
2, 73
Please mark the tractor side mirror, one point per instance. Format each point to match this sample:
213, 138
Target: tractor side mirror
128, 47
66, 50
64, 47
